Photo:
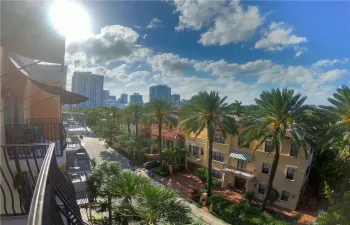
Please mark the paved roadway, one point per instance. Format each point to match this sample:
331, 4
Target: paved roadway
97, 150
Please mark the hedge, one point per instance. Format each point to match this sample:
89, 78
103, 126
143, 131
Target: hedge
241, 213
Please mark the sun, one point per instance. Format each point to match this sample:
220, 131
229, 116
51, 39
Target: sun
70, 20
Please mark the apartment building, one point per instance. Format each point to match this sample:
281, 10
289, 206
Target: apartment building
32, 139
238, 169
171, 137
89, 85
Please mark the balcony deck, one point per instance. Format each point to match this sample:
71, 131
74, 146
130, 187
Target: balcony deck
35, 187
14, 220
238, 171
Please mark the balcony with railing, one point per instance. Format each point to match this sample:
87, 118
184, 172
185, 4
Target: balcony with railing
35, 192
238, 171
194, 157
38, 130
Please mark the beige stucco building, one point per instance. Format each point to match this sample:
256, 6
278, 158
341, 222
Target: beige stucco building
238, 169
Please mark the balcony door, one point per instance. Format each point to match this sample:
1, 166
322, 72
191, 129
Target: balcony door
241, 164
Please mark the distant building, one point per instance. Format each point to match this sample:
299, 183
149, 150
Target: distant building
160, 91
175, 99
110, 103
136, 98
105, 94
112, 97
89, 85
124, 98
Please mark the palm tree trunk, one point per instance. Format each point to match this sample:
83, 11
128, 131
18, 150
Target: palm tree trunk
137, 128
271, 177
210, 160
160, 142
345, 184
110, 210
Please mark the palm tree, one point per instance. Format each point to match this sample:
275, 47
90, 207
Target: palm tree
208, 111
136, 112
237, 108
339, 131
100, 178
127, 118
174, 155
161, 205
159, 111
125, 188
274, 114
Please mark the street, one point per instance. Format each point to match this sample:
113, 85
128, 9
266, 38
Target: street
98, 151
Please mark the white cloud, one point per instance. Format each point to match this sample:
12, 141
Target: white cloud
198, 13
279, 37
154, 23
114, 43
169, 64
227, 21
222, 68
235, 24
137, 27
333, 75
144, 36
327, 62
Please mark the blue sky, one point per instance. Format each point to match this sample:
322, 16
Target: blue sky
236, 48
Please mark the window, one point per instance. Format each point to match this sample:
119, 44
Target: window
218, 156
290, 173
217, 173
202, 151
195, 151
266, 168
268, 146
241, 164
285, 196
293, 150
189, 148
219, 138
169, 143
262, 189
240, 141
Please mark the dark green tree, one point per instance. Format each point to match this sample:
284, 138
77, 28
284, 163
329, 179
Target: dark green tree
339, 131
160, 112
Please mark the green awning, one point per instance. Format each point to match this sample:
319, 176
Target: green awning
237, 154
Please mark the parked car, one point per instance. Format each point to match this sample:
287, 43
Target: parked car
151, 164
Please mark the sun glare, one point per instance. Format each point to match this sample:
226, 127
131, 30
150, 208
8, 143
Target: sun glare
70, 20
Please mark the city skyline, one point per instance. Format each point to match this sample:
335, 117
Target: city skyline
238, 48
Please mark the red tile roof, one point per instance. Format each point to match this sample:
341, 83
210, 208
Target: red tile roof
168, 133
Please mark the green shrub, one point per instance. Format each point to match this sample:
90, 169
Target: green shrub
201, 173
241, 213
250, 196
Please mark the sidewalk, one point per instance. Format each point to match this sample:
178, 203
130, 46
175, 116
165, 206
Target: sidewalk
204, 215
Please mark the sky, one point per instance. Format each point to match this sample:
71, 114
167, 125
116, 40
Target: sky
238, 48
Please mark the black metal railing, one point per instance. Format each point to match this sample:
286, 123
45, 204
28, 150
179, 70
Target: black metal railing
38, 131
36, 187
43, 120
237, 169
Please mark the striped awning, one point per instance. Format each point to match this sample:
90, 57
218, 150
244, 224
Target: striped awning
237, 154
